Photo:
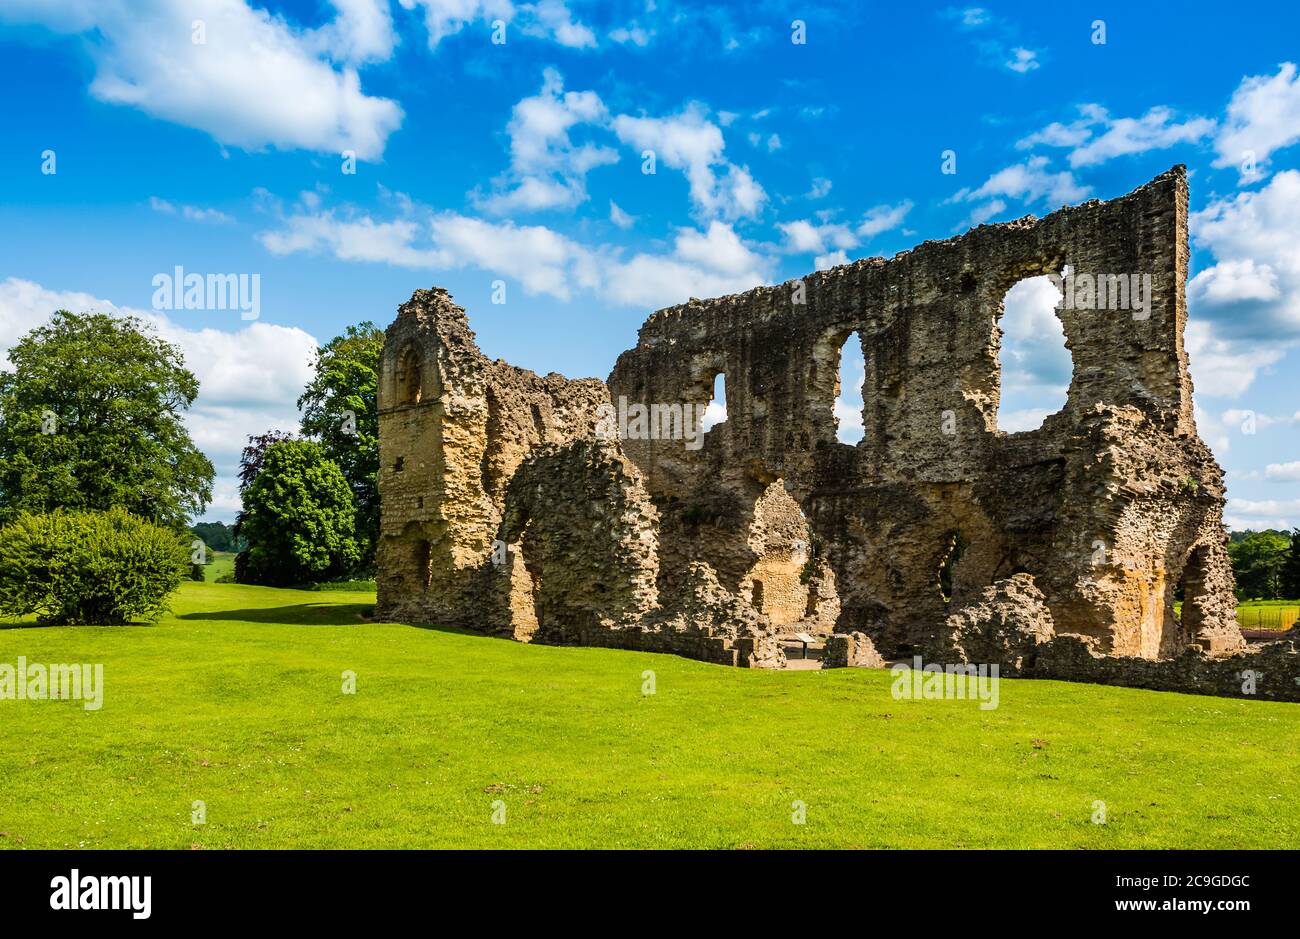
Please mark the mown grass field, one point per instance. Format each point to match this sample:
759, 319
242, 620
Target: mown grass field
236, 699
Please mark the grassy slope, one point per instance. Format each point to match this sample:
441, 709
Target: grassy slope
223, 562
235, 699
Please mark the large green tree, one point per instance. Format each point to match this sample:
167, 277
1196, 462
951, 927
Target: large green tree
298, 518
90, 418
338, 409
1257, 561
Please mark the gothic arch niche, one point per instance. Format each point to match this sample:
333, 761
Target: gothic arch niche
409, 377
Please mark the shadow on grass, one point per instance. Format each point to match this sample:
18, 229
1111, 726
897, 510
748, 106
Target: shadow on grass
298, 614
27, 624
454, 630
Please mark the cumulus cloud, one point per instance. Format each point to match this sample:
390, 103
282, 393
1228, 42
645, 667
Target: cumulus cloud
1263, 117
706, 263
1283, 472
1222, 367
1259, 514
806, 237
690, 142
995, 38
552, 19
632, 34
824, 262
1029, 182
1255, 237
882, 218
831, 241
252, 81
619, 217
1096, 137
547, 171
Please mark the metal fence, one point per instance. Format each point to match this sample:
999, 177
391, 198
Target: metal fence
1267, 617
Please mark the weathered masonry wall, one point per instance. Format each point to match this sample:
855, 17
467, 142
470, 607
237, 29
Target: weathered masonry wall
772, 526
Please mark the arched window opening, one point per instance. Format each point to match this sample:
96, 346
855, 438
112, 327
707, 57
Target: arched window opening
410, 383
956, 548
716, 411
1033, 362
423, 564
848, 410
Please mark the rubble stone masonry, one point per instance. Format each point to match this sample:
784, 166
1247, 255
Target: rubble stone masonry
509, 507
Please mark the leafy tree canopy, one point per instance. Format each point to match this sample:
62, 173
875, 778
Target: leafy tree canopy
339, 409
1258, 558
298, 518
90, 419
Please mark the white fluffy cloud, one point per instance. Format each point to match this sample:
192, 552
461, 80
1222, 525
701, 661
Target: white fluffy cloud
1096, 137
1283, 472
249, 378
806, 237
882, 218
1262, 117
361, 32
1029, 182
547, 171
702, 263
1253, 289
1261, 513
831, 241
710, 263
253, 81
1245, 307
690, 142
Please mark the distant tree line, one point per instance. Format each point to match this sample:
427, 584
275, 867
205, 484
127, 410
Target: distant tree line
1266, 564
218, 536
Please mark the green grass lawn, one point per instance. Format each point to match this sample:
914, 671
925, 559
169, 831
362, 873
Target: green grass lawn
223, 563
235, 699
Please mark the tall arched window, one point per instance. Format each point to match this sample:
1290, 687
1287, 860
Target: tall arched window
409, 376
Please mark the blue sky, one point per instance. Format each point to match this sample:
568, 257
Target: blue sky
211, 134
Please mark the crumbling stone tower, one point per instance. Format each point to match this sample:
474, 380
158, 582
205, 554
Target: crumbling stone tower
505, 510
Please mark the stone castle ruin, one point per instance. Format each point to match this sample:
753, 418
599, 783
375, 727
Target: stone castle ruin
555, 510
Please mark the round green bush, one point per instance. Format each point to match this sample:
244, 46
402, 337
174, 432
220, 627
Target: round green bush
89, 568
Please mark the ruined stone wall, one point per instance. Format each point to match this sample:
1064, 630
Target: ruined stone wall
453, 428
1106, 505
509, 507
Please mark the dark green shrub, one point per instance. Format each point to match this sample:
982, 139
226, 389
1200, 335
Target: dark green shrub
89, 568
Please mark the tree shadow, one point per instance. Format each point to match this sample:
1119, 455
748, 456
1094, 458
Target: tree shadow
20, 624
298, 614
